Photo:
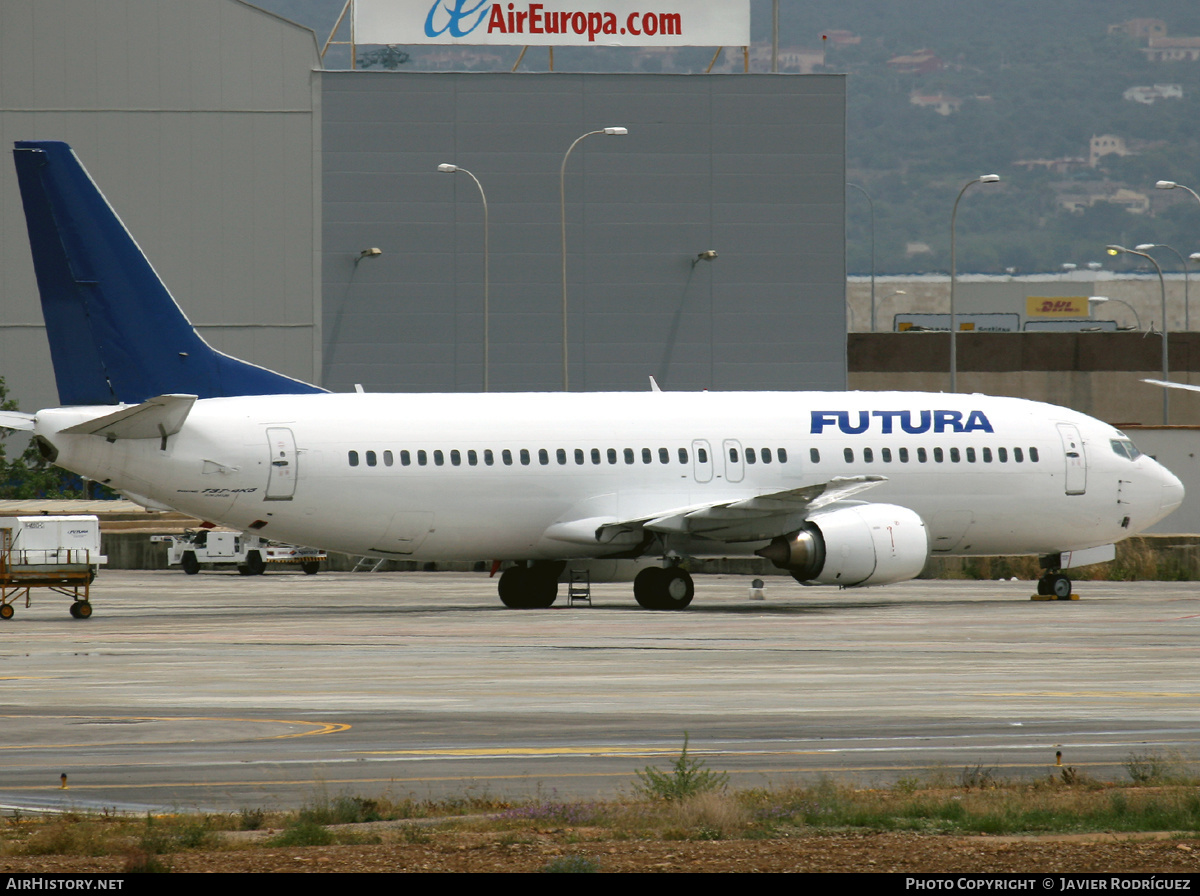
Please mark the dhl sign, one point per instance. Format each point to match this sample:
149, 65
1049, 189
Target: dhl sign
1056, 306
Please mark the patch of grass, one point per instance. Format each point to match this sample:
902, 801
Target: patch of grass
687, 777
303, 832
977, 777
251, 819
140, 862
1146, 768
572, 864
73, 836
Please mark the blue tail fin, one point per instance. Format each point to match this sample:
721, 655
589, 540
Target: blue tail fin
116, 334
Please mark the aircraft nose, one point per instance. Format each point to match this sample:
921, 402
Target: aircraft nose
1172, 491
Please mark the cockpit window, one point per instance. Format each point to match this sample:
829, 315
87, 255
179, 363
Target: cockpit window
1125, 448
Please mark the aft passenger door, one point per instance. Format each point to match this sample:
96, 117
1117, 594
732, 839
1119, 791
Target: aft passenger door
734, 465
281, 475
1076, 460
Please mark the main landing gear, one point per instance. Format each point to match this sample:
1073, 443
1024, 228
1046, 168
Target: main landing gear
532, 587
656, 588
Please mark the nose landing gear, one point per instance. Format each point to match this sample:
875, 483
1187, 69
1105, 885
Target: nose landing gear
1054, 586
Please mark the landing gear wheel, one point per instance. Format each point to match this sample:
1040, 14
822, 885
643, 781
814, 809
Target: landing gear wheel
512, 587
190, 564
656, 588
677, 589
528, 588
310, 567
254, 563
6, 611
81, 609
647, 587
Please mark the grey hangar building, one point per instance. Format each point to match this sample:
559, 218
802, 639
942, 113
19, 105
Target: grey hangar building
254, 180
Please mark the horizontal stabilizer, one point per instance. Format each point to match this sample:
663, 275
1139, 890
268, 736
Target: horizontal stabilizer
154, 419
16, 420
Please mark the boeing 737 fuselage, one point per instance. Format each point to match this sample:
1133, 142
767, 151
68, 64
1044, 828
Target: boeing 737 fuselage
835, 488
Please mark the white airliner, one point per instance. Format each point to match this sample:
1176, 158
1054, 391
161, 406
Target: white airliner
845, 489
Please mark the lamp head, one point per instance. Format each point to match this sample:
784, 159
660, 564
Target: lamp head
616, 132
447, 168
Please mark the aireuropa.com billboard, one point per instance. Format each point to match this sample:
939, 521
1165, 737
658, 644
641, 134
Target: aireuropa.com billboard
557, 23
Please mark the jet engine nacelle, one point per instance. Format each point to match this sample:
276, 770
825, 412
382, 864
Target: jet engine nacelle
867, 544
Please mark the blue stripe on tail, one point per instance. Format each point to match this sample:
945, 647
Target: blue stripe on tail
116, 334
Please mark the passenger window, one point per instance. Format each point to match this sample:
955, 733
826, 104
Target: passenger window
1002, 453
560, 455
646, 456
733, 455
955, 457
664, 456
1018, 456
472, 458
488, 458
750, 458
438, 458
455, 457
543, 456
702, 454
612, 455
903, 455
579, 456
506, 457
405, 458
524, 457
422, 458
814, 455
387, 458
353, 457
886, 455
781, 453
683, 455
628, 455
766, 455
595, 455
922, 456
987, 455
868, 456
970, 455
849, 455
1033, 455
371, 459
937, 455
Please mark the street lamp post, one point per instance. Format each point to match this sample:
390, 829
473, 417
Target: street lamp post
447, 168
1162, 285
871, 205
982, 179
1100, 300
1146, 247
562, 208
1171, 185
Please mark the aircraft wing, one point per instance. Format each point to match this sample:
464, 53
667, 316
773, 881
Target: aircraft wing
745, 519
1172, 385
